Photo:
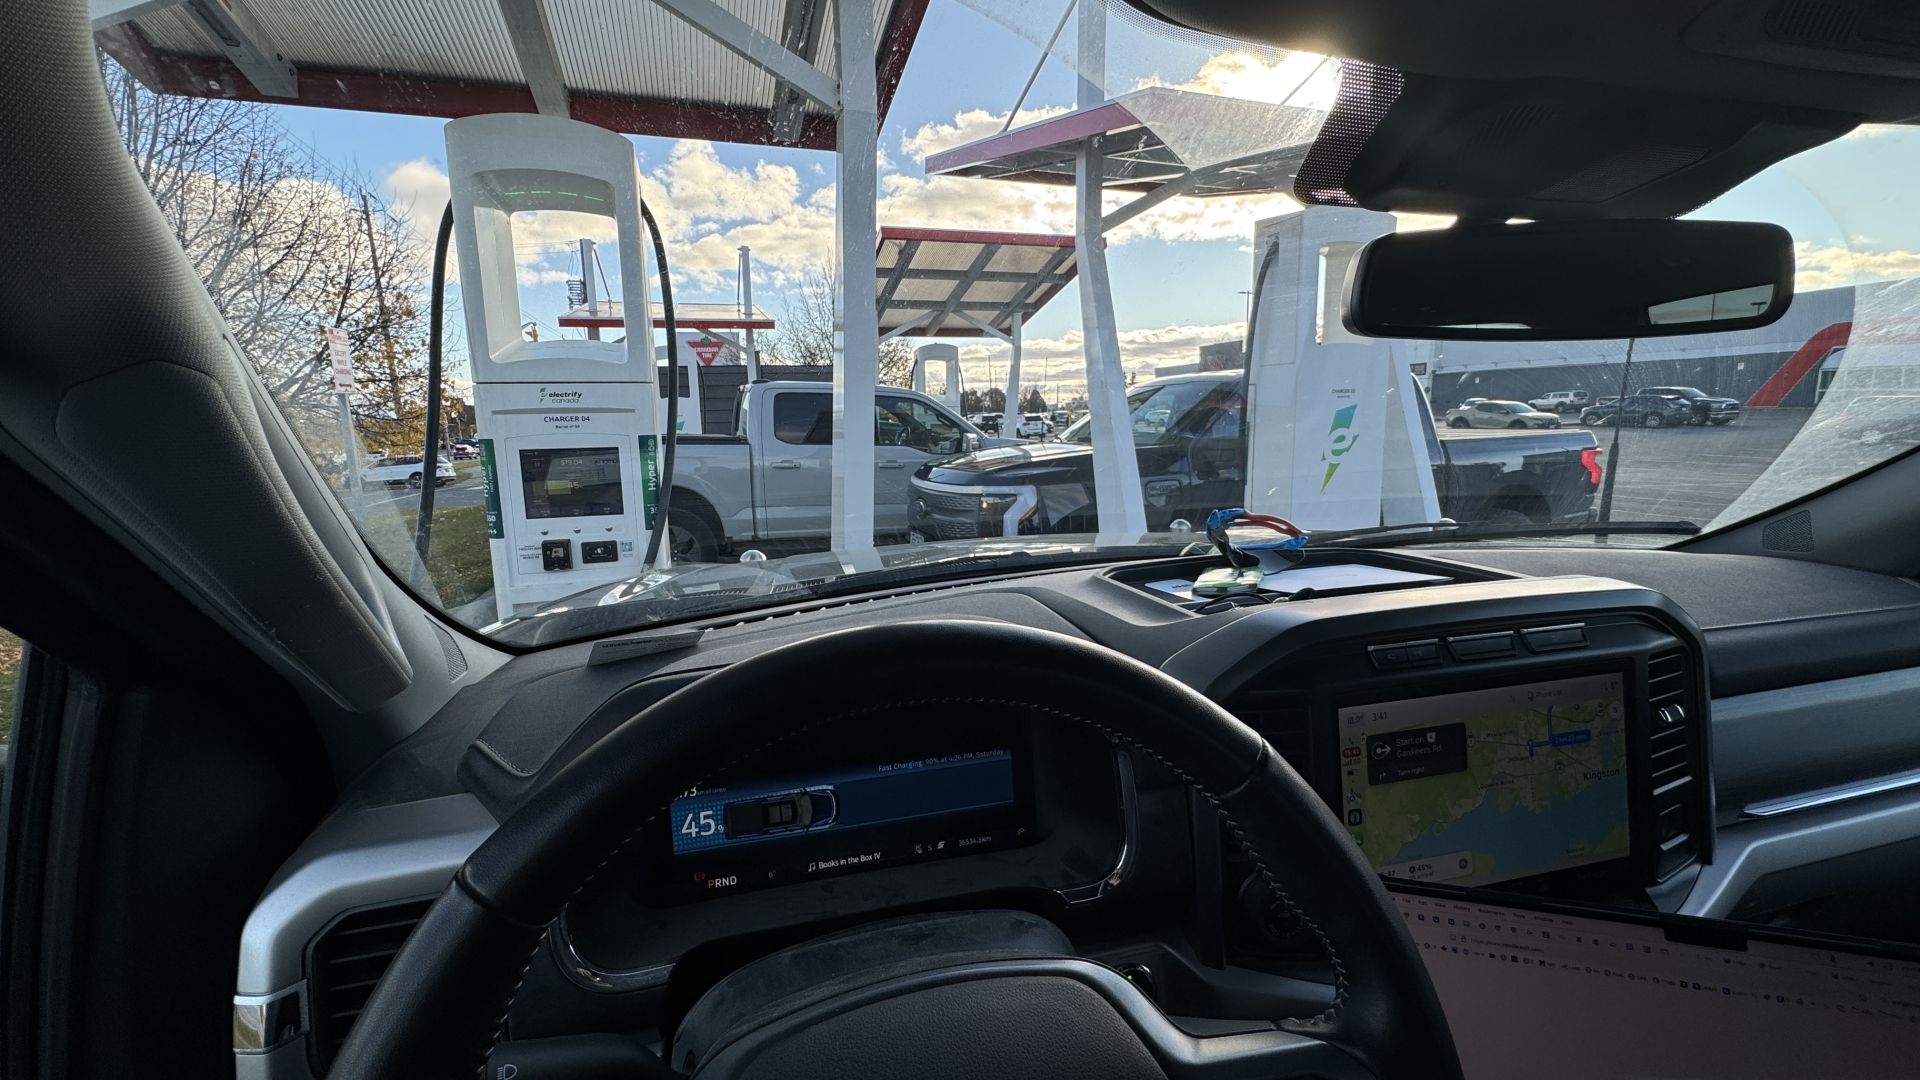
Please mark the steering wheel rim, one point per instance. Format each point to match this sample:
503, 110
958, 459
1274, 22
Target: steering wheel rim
443, 1003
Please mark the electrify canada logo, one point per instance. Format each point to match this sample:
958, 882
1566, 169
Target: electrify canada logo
1340, 439
559, 397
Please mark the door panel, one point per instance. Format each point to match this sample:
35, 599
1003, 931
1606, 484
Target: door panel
796, 463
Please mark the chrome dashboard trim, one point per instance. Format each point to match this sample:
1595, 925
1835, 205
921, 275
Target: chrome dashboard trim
1129, 839
1805, 742
1828, 796
1756, 847
582, 973
263, 1022
353, 859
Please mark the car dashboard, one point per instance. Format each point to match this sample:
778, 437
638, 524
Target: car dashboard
1537, 721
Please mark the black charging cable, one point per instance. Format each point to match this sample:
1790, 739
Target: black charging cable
664, 503
436, 316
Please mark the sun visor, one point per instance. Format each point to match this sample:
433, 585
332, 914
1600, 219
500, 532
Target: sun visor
1540, 149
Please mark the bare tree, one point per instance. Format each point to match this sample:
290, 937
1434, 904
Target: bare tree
806, 334
284, 247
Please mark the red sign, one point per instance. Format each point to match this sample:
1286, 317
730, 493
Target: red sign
707, 350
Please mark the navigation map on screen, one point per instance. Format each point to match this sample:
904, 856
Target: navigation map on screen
1488, 785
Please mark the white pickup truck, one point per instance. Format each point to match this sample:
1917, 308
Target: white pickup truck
770, 485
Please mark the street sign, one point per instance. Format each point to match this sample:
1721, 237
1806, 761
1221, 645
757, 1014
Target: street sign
336, 339
707, 350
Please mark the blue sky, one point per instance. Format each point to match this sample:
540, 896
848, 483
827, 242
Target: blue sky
1177, 276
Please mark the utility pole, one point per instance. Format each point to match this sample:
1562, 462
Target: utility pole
1613, 449
746, 311
587, 258
380, 302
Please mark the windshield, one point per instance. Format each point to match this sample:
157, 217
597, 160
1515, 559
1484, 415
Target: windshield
1172, 329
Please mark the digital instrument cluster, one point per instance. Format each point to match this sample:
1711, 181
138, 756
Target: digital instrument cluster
778, 829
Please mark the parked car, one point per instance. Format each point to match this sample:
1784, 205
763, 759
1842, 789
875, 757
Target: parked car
1642, 409
1561, 401
408, 469
1500, 414
1059, 418
1032, 426
1702, 409
770, 483
1870, 420
464, 451
1194, 464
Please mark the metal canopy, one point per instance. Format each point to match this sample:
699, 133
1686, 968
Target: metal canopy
1133, 156
676, 68
966, 282
606, 315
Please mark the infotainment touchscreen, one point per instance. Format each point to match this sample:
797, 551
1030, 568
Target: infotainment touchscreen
1488, 785
805, 825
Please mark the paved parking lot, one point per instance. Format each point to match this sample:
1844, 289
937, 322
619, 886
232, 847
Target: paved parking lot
1693, 473
462, 492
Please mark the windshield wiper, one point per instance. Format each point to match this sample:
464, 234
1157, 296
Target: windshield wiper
1440, 532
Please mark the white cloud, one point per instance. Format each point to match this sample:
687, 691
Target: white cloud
532, 276
1826, 267
1307, 80
418, 191
699, 185
968, 126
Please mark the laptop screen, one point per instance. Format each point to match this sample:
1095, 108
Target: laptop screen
1536, 993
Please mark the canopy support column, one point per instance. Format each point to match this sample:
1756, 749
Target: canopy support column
1122, 512
1013, 413
857, 369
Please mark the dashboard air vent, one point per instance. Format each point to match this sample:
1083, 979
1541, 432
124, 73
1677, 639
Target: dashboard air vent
1674, 782
344, 962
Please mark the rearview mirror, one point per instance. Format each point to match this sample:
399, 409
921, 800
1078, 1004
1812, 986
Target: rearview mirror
1571, 280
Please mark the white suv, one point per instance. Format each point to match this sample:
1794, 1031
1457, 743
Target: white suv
1561, 401
404, 468
1032, 426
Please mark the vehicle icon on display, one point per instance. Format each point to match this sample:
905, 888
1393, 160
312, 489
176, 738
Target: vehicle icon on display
785, 812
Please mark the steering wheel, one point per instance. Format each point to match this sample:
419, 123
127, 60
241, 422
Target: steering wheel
993, 994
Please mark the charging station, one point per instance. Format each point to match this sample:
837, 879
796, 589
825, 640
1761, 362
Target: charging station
939, 352
568, 429
1341, 442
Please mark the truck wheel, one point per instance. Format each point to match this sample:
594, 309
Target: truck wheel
1457, 422
1653, 420
1509, 519
689, 538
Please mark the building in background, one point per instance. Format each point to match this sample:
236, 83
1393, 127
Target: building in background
1223, 356
1788, 364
